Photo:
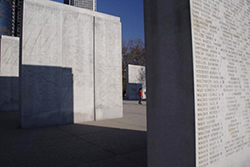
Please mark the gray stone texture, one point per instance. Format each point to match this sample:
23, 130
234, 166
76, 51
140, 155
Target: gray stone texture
221, 53
170, 86
135, 79
9, 56
77, 52
58, 67
108, 72
198, 83
9, 64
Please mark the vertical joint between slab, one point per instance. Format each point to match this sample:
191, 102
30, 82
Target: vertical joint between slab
94, 68
21, 123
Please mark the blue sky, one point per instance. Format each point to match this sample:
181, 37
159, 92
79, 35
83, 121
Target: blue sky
130, 12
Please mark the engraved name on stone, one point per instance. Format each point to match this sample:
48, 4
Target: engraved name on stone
220, 30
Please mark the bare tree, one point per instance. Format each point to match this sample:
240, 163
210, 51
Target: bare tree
133, 52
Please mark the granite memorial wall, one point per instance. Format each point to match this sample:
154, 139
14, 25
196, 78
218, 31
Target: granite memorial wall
9, 64
135, 79
202, 115
66, 74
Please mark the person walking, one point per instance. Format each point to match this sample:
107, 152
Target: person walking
140, 95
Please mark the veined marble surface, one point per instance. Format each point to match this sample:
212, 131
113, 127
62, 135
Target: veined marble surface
78, 54
108, 74
9, 58
58, 43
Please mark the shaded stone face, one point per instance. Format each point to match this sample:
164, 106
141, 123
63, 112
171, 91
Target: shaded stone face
198, 82
9, 72
71, 61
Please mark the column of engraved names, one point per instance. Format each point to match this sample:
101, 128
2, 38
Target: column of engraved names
246, 114
208, 82
236, 87
245, 36
224, 28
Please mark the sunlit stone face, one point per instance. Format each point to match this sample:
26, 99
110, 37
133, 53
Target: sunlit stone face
221, 55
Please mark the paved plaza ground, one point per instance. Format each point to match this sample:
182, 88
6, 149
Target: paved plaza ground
111, 143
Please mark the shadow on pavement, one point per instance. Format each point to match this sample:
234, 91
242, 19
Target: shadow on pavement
70, 145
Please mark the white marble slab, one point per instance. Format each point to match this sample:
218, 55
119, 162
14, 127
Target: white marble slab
108, 74
136, 79
9, 72
41, 72
136, 74
58, 42
9, 60
221, 54
78, 54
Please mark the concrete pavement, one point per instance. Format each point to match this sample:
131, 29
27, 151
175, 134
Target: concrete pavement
110, 143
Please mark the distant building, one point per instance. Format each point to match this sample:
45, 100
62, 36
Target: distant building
136, 79
11, 18
10, 22
18, 17
87, 4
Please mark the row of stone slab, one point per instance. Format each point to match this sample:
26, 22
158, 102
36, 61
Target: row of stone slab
69, 66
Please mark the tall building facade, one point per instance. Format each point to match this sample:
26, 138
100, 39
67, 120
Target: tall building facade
10, 19
87, 4
18, 17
